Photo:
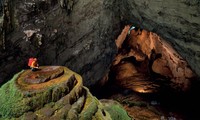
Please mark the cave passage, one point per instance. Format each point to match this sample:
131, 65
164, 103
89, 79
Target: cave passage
148, 66
144, 58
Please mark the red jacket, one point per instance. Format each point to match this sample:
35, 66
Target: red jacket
33, 62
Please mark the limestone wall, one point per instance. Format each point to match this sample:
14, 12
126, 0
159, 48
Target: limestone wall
177, 21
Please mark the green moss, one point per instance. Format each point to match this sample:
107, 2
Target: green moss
9, 94
102, 115
66, 100
14, 103
90, 107
117, 112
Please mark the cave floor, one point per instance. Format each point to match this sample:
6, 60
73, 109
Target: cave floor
151, 106
143, 87
141, 108
161, 105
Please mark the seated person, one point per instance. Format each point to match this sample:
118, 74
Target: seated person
33, 64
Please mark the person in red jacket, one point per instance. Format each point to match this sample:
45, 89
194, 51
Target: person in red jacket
33, 64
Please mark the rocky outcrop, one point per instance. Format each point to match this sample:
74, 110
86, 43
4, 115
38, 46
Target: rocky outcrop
143, 57
54, 92
177, 21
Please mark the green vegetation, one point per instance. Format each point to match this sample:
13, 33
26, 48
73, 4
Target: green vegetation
9, 95
62, 98
117, 112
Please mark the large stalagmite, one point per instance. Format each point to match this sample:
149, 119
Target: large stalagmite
54, 92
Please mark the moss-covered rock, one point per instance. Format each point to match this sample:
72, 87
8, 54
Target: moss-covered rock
115, 110
53, 92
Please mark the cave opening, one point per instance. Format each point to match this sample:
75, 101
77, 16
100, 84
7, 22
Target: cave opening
147, 72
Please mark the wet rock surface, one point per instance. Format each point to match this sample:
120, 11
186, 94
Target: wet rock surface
43, 74
61, 97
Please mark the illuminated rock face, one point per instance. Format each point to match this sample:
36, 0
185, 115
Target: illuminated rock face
177, 21
61, 96
144, 54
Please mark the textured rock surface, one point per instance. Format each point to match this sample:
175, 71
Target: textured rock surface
144, 57
177, 21
63, 96
81, 39
80, 34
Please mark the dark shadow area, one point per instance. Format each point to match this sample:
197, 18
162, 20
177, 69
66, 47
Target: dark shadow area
170, 101
139, 72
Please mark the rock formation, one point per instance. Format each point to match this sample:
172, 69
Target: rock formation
177, 21
54, 93
143, 57
76, 34
83, 32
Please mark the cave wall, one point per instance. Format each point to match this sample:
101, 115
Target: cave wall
77, 35
177, 21
80, 34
